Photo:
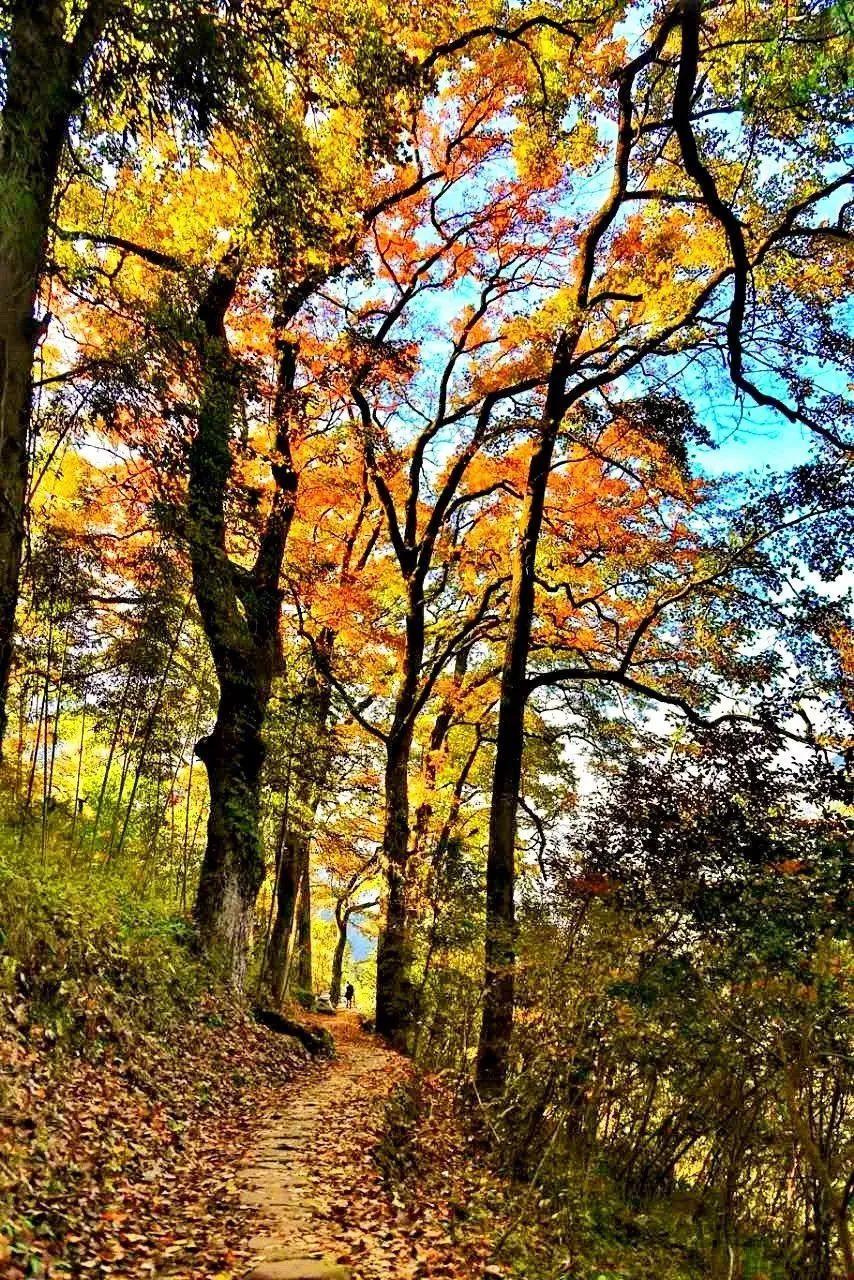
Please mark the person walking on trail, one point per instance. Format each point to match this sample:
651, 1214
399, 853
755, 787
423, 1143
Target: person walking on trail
349, 995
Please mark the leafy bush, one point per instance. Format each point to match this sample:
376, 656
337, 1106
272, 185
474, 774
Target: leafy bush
83, 954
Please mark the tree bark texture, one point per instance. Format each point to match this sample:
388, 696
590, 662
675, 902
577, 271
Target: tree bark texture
239, 609
42, 69
396, 992
493, 1052
395, 989
342, 919
298, 823
282, 936
305, 975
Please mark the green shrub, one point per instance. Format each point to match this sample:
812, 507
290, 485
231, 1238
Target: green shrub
83, 955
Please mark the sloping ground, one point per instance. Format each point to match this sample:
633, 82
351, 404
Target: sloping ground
150, 1127
129, 1081
214, 1151
133, 1092
315, 1177
119, 1161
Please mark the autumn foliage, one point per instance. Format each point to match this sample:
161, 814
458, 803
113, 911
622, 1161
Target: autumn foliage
423, 438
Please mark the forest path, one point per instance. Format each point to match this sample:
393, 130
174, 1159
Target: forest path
326, 1213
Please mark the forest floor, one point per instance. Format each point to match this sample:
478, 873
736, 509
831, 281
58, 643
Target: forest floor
315, 1174
137, 1097
118, 1156
209, 1148
214, 1149
152, 1129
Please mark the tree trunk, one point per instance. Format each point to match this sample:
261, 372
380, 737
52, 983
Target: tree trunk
150, 724
500, 946
239, 609
817, 1160
438, 740
396, 1013
240, 616
282, 938
342, 919
16, 353
305, 977
437, 876
233, 866
114, 741
395, 989
77, 802
41, 73
295, 832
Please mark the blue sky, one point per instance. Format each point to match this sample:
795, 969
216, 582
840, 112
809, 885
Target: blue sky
760, 440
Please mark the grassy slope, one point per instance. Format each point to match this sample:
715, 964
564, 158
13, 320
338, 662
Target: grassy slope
128, 1081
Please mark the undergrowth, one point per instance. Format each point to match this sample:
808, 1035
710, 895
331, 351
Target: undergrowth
129, 1079
82, 953
435, 1145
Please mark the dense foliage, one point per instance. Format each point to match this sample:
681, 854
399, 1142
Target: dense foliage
425, 467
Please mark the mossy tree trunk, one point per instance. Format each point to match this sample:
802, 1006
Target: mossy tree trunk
42, 68
239, 609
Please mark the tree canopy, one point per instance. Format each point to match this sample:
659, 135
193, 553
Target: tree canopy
425, 455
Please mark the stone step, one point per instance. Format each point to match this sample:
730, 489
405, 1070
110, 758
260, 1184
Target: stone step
272, 1175
299, 1269
280, 1198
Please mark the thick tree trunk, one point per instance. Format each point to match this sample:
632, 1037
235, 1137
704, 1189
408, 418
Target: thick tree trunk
500, 947
395, 989
17, 300
500, 941
240, 614
396, 1012
42, 68
233, 867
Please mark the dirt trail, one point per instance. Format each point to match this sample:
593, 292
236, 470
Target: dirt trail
325, 1212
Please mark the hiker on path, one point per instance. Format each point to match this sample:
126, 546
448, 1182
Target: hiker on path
349, 995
